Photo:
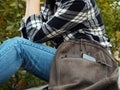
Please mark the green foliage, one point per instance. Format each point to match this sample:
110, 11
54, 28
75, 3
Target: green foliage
21, 80
110, 10
11, 12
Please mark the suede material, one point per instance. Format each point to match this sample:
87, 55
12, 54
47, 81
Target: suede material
70, 71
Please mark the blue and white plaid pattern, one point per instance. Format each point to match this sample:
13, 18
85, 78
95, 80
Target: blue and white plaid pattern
71, 18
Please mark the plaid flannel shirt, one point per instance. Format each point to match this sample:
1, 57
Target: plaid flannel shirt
68, 20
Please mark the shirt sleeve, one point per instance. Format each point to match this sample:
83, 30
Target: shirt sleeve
68, 15
45, 15
22, 29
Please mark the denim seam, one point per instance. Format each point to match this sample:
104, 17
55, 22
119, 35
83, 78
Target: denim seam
5, 51
1, 57
23, 42
38, 47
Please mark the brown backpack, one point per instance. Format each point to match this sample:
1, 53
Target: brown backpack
83, 65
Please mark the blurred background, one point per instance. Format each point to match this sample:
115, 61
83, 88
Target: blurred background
11, 12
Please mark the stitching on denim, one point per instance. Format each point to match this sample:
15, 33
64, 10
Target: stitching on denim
5, 51
39, 47
21, 41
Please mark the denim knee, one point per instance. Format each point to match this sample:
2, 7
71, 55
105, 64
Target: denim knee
10, 43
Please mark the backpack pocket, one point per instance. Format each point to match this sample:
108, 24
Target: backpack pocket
79, 71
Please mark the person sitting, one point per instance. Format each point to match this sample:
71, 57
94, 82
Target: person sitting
58, 21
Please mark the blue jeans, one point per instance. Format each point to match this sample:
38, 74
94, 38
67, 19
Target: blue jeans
33, 57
